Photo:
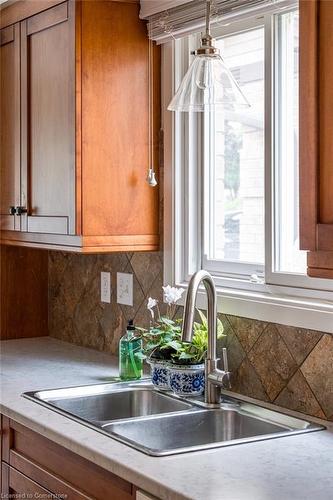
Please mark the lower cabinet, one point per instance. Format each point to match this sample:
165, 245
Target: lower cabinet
35, 467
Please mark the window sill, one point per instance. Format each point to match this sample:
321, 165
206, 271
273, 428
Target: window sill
301, 312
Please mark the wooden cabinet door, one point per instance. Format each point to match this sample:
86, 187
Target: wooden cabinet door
48, 121
10, 125
316, 127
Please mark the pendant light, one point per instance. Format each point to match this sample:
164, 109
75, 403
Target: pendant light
151, 176
208, 82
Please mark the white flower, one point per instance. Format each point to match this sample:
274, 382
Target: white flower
150, 306
172, 294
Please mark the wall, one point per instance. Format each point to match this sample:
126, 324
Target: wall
23, 297
76, 313
290, 366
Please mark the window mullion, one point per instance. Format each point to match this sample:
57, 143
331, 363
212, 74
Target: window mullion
269, 147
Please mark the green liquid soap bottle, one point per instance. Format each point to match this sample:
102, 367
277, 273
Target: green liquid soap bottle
130, 365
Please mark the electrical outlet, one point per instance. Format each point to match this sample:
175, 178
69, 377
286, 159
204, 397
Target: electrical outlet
125, 289
105, 287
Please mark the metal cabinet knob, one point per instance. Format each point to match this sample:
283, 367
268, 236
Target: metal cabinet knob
21, 210
12, 210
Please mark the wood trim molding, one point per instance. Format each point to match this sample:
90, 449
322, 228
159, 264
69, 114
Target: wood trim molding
308, 134
6, 438
325, 81
22, 9
315, 272
325, 237
82, 244
17, 10
320, 264
46, 19
52, 239
7, 35
4, 479
78, 117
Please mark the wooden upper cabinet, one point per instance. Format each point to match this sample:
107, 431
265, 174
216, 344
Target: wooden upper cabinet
9, 125
316, 131
48, 121
83, 129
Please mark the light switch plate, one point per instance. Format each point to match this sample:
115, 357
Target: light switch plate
125, 289
105, 287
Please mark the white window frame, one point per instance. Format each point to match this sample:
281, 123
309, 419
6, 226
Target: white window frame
296, 300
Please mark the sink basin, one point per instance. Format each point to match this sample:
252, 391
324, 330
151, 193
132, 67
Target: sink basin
160, 424
202, 429
100, 404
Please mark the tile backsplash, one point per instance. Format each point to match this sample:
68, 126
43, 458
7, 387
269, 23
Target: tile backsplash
289, 366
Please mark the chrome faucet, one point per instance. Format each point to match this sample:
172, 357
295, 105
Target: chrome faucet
214, 377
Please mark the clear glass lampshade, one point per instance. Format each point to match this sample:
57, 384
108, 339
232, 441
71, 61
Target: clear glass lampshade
207, 84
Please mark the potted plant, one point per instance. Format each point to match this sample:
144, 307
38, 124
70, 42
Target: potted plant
158, 340
176, 365
186, 372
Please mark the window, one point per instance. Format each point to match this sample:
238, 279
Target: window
235, 175
287, 257
234, 165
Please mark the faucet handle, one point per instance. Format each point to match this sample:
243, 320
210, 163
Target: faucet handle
225, 359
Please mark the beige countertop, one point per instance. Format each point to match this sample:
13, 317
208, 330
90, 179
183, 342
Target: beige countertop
296, 467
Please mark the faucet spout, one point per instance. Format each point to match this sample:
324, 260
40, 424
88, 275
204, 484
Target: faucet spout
214, 378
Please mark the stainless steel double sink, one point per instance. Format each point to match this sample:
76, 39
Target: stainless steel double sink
159, 423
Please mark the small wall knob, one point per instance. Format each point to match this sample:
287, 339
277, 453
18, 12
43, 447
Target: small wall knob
21, 210
12, 210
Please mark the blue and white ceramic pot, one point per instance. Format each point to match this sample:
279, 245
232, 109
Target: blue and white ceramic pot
159, 373
187, 380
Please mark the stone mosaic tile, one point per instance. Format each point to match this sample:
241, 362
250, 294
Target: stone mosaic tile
299, 341
143, 317
318, 371
58, 262
113, 263
247, 330
87, 315
60, 320
146, 266
129, 312
272, 361
235, 351
246, 381
298, 396
113, 325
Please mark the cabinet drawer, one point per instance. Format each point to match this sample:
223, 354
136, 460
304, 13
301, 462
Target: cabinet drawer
16, 483
57, 469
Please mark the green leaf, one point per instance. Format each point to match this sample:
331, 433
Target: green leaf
173, 344
150, 345
203, 318
186, 355
220, 329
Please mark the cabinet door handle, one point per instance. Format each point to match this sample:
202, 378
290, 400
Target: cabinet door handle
12, 210
21, 210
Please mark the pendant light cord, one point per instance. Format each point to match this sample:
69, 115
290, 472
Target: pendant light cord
208, 9
151, 177
150, 156
151, 102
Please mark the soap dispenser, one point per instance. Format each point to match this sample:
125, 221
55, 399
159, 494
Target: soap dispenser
130, 345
